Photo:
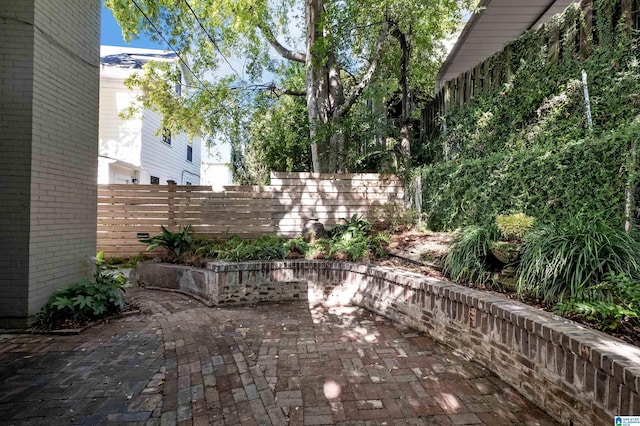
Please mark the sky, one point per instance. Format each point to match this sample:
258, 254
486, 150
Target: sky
111, 34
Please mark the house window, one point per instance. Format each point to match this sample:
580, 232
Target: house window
189, 153
155, 180
166, 136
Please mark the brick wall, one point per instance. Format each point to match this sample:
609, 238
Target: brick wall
49, 148
578, 375
16, 92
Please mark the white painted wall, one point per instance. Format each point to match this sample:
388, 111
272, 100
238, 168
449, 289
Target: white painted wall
134, 149
167, 162
215, 166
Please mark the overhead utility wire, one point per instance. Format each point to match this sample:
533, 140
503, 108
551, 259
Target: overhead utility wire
174, 50
213, 41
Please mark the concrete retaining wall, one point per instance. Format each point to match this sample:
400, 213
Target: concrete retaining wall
578, 375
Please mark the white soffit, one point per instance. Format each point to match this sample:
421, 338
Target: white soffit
489, 30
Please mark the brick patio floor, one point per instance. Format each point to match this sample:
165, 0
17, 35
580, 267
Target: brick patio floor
272, 364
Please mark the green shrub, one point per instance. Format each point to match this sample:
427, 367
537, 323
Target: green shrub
355, 241
467, 260
514, 226
551, 184
355, 226
558, 262
177, 244
608, 305
523, 145
84, 300
267, 247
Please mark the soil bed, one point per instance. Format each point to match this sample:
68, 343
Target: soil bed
426, 249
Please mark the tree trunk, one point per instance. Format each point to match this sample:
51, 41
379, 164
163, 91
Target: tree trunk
336, 100
313, 11
326, 103
405, 122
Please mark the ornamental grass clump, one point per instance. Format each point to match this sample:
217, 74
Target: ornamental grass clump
559, 262
467, 260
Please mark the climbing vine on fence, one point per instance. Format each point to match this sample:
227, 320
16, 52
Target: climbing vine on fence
524, 145
583, 176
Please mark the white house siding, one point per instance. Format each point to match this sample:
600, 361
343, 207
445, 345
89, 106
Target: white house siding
119, 138
164, 161
132, 150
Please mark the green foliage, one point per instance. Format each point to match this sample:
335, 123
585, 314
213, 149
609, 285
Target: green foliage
559, 262
176, 243
351, 228
524, 146
354, 240
267, 247
467, 260
549, 183
347, 41
125, 262
84, 300
608, 304
278, 138
514, 226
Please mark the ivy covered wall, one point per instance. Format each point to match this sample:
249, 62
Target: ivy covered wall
515, 136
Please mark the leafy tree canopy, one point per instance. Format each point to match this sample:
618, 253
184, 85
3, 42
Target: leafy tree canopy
342, 47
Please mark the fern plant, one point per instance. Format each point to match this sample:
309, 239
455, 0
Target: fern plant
607, 304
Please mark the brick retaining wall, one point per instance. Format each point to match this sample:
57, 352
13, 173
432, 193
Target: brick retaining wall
578, 375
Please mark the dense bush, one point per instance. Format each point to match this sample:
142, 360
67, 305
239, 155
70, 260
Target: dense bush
514, 226
524, 145
587, 176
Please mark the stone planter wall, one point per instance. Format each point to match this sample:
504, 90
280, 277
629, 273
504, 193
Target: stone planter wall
194, 281
578, 375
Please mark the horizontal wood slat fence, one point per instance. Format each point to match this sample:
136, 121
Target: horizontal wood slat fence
129, 212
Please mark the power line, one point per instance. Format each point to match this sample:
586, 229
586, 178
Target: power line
211, 39
174, 50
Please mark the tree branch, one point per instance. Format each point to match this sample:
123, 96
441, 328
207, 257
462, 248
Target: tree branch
282, 51
366, 79
294, 92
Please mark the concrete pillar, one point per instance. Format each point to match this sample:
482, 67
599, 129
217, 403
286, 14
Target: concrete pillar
49, 85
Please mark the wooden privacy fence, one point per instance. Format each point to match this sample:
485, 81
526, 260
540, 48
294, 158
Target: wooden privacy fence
575, 33
127, 213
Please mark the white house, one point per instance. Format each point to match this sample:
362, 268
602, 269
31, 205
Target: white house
215, 170
138, 150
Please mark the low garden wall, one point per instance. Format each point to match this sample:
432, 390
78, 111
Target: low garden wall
578, 375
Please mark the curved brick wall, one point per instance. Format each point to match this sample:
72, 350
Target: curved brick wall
578, 375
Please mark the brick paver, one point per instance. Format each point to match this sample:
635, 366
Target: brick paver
273, 364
